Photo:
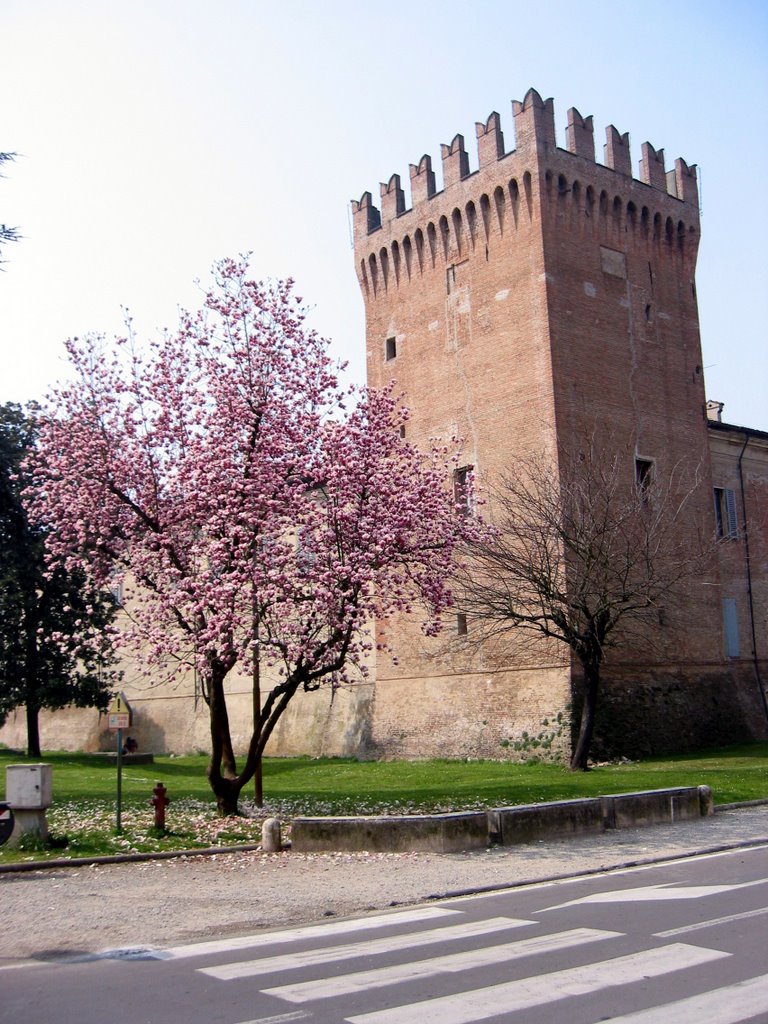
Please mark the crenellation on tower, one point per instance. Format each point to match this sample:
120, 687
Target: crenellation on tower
490, 140
455, 161
534, 123
422, 180
686, 183
392, 198
652, 170
580, 135
616, 151
535, 148
365, 215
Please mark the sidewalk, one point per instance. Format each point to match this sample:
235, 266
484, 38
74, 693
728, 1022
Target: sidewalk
47, 914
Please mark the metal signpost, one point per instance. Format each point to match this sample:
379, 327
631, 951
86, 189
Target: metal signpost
120, 717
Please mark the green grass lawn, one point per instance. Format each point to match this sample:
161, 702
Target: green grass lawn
84, 791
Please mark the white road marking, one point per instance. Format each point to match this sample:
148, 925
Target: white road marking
312, 931
386, 944
665, 891
361, 981
281, 1018
709, 924
729, 1005
480, 1004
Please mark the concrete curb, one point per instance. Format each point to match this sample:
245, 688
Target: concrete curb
508, 826
125, 858
211, 851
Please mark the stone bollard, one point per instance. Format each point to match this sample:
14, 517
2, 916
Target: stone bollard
270, 836
706, 801
28, 790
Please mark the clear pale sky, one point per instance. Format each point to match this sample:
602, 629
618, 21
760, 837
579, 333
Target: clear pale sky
156, 136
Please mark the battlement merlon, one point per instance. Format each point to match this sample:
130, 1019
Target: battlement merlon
580, 135
392, 198
685, 181
490, 140
616, 153
455, 161
534, 135
365, 216
422, 180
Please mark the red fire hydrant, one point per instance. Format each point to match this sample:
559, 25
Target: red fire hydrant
160, 801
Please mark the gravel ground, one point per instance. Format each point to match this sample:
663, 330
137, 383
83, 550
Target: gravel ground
61, 912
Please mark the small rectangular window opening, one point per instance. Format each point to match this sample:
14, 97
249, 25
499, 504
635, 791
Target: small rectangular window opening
643, 476
725, 513
390, 351
450, 279
461, 624
462, 489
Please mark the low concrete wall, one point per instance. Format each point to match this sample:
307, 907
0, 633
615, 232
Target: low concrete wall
628, 810
452, 833
431, 833
526, 822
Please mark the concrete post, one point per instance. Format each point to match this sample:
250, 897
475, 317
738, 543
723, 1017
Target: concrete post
270, 836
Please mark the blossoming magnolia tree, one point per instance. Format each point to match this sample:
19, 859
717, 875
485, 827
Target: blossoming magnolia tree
253, 518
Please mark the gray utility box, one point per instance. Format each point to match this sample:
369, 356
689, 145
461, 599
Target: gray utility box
28, 786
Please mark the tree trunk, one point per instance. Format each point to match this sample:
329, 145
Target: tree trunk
580, 754
222, 769
33, 731
227, 793
258, 775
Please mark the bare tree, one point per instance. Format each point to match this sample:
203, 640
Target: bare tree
588, 552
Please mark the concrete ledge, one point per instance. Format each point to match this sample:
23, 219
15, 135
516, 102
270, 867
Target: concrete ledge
525, 823
431, 833
656, 806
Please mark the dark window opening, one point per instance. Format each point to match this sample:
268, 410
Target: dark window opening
643, 476
390, 351
461, 624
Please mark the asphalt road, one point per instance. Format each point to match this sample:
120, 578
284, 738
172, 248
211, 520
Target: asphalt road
665, 944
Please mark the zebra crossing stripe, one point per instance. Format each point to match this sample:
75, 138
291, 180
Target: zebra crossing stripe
281, 1018
386, 944
728, 1005
300, 933
327, 988
480, 1004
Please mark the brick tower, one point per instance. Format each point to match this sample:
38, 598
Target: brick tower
533, 299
